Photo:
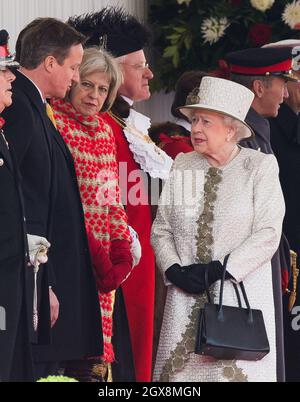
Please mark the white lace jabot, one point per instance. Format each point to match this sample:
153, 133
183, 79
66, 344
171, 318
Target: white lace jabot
151, 158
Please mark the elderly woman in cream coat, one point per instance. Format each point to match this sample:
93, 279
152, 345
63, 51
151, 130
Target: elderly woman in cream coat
220, 199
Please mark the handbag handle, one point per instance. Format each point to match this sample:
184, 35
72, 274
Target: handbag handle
223, 278
220, 313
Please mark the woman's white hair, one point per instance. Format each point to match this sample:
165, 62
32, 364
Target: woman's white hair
241, 131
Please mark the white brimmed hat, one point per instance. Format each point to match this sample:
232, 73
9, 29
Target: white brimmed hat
222, 96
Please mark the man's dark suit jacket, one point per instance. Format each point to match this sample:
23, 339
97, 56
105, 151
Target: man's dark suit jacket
261, 142
285, 139
53, 209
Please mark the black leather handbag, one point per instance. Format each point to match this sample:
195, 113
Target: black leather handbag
228, 332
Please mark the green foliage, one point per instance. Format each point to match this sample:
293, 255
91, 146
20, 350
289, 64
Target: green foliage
179, 42
58, 378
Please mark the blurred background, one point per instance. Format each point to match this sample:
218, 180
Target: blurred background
188, 34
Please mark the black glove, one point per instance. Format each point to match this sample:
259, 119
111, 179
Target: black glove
179, 277
191, 278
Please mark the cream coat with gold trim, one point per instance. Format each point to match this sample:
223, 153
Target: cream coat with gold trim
248, 215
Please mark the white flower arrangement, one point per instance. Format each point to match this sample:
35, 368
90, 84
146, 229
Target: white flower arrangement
291, 14
262, 5
187, 2
213, 29
197, 34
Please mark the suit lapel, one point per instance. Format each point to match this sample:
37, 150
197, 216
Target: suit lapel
58, 138
36, 101
51, 132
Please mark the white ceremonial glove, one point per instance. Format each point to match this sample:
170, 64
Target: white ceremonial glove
40, 245
135, 248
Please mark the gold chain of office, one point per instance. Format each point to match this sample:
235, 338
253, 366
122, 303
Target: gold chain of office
133, 130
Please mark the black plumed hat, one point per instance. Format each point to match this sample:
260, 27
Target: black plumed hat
113, 29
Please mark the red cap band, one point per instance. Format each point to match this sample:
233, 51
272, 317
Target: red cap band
274, 68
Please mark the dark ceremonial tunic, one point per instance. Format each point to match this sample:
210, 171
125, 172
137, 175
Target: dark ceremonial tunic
261, 142
285, 140
15, 353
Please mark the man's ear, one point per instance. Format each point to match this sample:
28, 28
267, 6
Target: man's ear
258, 88
49, 63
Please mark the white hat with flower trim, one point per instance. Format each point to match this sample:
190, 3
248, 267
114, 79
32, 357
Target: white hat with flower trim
222, 96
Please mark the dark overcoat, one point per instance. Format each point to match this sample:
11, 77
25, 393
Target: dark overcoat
285, 140
261, 142
54, 210
14, 326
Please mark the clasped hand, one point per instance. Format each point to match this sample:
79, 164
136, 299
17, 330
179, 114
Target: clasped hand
191, 278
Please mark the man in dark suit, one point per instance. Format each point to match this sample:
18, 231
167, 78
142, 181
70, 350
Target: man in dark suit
266, 73
285, 140
50, 55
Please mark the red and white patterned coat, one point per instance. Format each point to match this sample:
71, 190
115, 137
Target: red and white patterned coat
93, 148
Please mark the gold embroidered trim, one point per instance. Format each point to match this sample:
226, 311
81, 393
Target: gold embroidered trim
232, 372
133, 130
181, 354
204, 236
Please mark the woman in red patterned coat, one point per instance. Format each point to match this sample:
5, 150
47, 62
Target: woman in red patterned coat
92, 145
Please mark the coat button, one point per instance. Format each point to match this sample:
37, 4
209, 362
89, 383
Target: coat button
1, 162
